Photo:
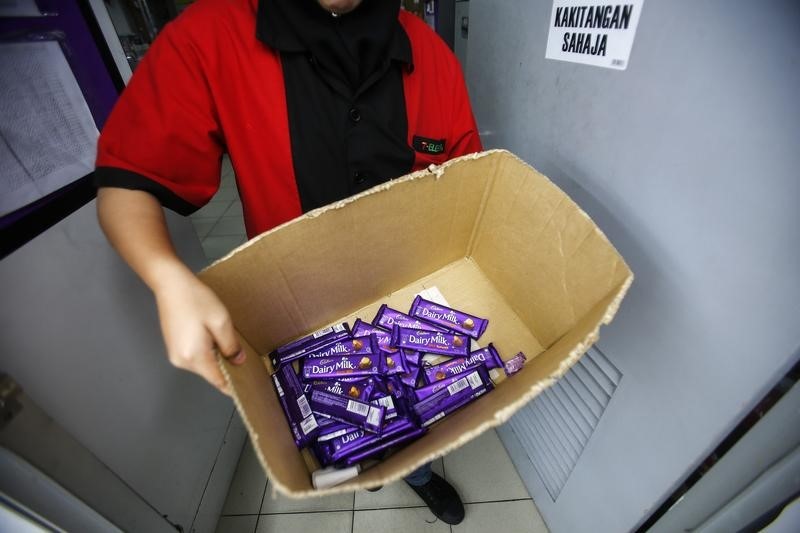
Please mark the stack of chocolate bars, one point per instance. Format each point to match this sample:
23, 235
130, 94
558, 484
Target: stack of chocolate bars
353, 393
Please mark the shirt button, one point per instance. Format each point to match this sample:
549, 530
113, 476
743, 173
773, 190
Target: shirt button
359, 177
355, 115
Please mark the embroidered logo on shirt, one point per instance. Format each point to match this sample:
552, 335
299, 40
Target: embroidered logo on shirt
428, 146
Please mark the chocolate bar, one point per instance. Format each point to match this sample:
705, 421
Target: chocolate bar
485, 356
295, 406
384, 336
447, 317
388, 402
365, 345
387, 318
459, 393
452, 344
411, 377
393, 363
345, 445
404, 437
431, 389
412, 356
334, 429
515, 364
360, 389
342, 367
297, 349
345, 409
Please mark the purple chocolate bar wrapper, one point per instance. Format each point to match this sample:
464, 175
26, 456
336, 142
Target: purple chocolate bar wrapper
353, 442
515, 364
366, 345
383, 445
459, 393
431, 389
485, 356
335, 429
387, 401
452, 344
393, 363
348, 410
342, 367
387, 318
383, 336
447, 317
412, 356
360, 390
411, 377
294, 402
299, 348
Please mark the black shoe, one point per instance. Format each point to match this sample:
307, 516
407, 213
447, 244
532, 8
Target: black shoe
442, 499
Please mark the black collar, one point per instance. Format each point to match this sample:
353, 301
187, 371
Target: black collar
273, 31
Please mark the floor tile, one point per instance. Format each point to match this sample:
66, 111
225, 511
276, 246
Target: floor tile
397, 494
227, 168
282, 504
237, 524
216, 247
247, 487
413, 520
341, 522
226, 192
482, 471
213, 209
202, 226
234, 210
511, 517
229, 226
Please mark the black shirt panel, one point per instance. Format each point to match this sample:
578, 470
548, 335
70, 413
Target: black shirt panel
344, 141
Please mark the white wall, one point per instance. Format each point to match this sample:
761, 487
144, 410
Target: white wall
689, 161
81, 336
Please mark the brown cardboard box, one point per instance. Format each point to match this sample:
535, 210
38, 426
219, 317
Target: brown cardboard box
498, 240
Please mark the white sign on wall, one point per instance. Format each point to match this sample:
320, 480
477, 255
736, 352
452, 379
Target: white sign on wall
594, 33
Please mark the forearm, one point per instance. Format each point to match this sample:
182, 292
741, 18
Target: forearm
134, 224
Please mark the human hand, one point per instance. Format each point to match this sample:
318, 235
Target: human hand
196, 326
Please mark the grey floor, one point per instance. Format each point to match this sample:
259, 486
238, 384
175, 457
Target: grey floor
495, 497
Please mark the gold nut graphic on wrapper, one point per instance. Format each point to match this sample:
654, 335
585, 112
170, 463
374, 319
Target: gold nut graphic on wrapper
468, 323
365, 363
357, 345
390, 362
353, 392
440, 375
457, 342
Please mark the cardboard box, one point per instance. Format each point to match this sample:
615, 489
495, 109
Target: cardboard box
498, 240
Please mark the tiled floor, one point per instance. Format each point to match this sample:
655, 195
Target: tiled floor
495, 498
219, 224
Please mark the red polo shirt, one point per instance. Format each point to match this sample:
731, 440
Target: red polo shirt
209, 86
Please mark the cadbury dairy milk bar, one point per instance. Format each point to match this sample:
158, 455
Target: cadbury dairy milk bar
345, 409
431, 389
452, 344
366, 345
299, 348
459, 393
360, 390
515, 364
485, 356
451, 319
295, 405
371, 451
388, 318
342, 367
345, 445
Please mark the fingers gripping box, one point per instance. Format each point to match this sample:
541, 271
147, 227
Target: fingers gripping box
497, 238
